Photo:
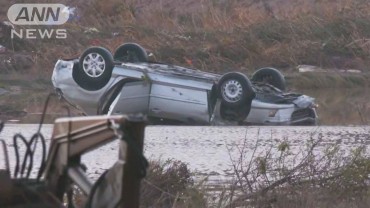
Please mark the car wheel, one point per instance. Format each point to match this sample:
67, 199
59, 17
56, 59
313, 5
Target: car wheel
95, 68
235, 114
235, 89
270, 76
130, 52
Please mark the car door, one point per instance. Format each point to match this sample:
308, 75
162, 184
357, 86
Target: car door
179, 99
133, 99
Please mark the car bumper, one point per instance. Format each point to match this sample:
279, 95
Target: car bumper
299, 122
303, 121
287, 116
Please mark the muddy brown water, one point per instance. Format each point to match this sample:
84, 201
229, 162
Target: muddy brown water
208, 151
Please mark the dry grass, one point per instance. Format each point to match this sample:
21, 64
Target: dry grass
170, 184
223, 35
317, 176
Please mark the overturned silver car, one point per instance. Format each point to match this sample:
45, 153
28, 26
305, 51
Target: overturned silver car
127, 83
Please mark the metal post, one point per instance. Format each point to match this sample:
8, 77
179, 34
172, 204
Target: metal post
131, 176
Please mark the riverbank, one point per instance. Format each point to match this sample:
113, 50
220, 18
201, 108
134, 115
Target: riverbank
22, 98
327, 80
216, 36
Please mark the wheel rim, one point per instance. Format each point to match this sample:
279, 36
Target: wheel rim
94, 65
232, 91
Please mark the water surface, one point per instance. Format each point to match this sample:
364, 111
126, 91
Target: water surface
208, 151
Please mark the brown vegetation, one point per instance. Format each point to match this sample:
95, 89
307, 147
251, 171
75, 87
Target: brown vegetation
222, 35
170, 184
317, 176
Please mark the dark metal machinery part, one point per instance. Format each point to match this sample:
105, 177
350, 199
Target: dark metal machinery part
126, 173
86, 135
71, 138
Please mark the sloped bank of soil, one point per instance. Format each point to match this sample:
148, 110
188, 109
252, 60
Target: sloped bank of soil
220, 35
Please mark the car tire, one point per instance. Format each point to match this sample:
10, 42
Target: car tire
130, 52
270, 76
234, 114
235, 90
94, 69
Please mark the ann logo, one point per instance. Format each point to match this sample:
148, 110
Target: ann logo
38, 14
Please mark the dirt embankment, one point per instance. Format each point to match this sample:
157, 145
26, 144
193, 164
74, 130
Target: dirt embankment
219, 35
